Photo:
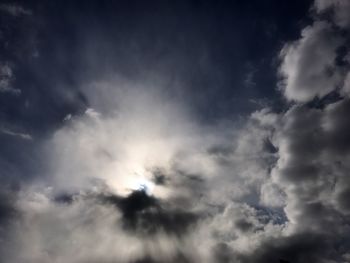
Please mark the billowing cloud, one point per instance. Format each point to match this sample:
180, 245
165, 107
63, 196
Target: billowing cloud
309, 67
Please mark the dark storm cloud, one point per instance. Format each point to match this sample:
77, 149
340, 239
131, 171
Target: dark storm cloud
142, 214
146, 215
307, 168
159, 176
181, 258
307, 247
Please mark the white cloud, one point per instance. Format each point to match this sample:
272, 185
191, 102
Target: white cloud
308, 65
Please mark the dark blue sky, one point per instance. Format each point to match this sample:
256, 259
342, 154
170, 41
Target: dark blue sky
224, 53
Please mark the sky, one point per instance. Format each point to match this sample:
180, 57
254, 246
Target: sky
175, 131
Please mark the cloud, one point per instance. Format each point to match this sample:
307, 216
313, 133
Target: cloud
146, 215
23, 136
276, 190
306, 247
91, 228
15, 9
308, 66
313, 147
96, 162
339, 9
316, 64
6, 77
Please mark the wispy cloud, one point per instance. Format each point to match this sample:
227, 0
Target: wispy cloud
15, 9
24, 136
6, 79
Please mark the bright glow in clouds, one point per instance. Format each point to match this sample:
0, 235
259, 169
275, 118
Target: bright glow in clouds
144, 185
141, 132
139, 180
